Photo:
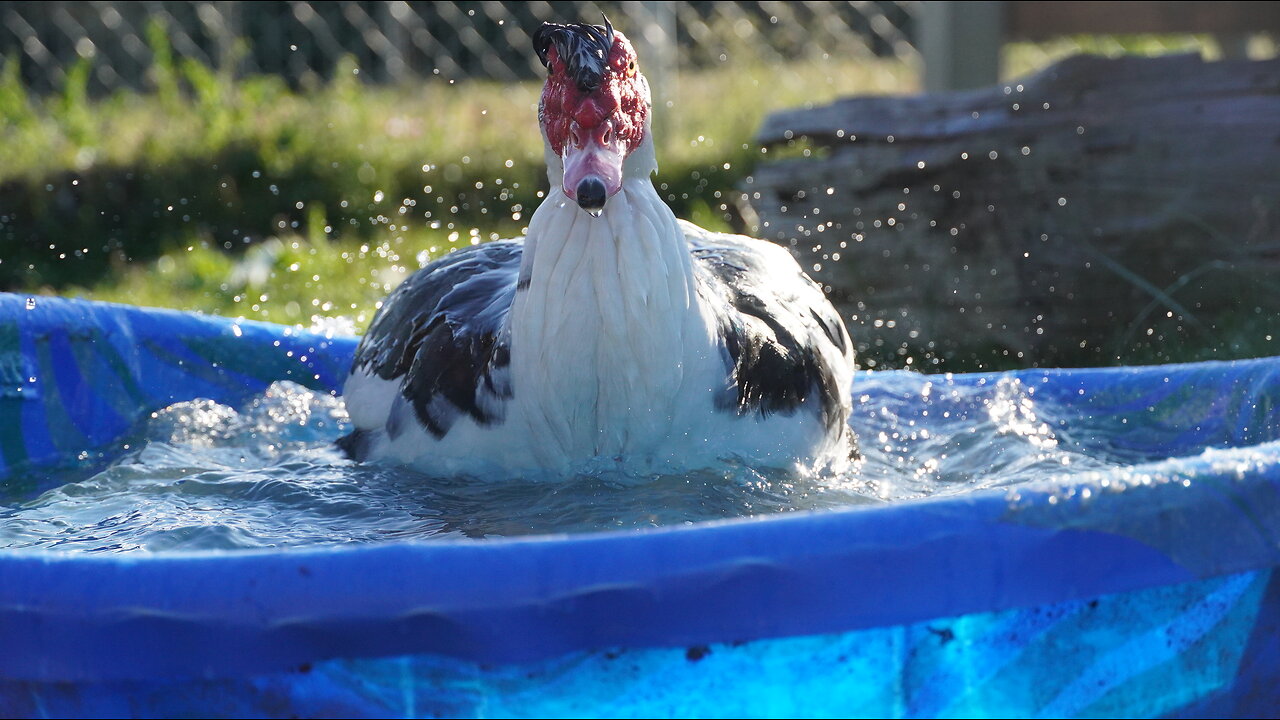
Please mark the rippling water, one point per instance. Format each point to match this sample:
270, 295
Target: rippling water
206, 476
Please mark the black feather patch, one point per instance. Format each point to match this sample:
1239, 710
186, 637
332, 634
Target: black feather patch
583, 48
355, 444
773, 360
440, 336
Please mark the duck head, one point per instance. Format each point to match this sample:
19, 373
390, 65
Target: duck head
595, 107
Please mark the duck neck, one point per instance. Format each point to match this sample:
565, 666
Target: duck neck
605, 320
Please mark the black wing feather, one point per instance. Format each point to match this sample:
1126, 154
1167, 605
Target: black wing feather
772, 323
440, 334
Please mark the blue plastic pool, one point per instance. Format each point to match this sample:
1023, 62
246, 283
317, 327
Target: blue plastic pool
1141, 593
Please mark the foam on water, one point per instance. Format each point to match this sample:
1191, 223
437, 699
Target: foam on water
206, 476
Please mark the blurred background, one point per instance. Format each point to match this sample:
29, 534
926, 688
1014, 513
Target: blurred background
292, 161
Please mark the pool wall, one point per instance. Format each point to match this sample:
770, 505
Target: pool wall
1151, 594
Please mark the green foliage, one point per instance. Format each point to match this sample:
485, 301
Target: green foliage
89, 187
311, 281
164, 73
15, 104
74, 105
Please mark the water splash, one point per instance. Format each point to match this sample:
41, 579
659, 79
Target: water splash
207, 476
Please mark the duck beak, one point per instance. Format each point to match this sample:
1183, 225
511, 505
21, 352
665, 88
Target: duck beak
593, 167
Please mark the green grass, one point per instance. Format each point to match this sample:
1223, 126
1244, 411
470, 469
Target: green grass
210, 193
314, 282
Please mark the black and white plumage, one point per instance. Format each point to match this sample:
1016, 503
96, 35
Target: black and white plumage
439, 339
614, 338
589, 45
775, 324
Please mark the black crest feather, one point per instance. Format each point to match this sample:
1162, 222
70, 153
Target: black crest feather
583, 48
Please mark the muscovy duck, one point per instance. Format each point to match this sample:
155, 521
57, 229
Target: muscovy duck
612, 335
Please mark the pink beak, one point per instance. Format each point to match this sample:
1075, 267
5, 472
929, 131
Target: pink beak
592, 166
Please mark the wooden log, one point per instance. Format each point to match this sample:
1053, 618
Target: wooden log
1098, 208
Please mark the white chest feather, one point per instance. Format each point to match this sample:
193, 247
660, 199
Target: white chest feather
610, 350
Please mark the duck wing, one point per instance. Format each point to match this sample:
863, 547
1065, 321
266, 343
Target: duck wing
439, 347
785, 346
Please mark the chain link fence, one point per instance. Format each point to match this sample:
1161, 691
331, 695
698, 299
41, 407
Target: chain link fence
394, 40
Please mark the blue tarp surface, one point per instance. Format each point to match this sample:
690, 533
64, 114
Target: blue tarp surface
1198, 533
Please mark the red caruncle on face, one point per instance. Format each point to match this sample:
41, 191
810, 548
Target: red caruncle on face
615, 111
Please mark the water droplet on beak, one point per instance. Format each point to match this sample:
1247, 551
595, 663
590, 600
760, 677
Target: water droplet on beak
592, 195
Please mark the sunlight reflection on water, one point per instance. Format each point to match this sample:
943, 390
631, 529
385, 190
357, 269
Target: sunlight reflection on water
206, 476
